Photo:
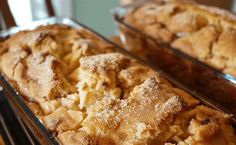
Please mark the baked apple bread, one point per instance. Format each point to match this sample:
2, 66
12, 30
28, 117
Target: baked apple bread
87, 93
203, 32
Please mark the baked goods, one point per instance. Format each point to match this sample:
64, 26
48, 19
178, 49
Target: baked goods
85, 92
126, 2
205, 33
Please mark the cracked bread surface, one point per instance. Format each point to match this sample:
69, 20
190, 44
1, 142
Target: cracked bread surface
203, 32
85, 92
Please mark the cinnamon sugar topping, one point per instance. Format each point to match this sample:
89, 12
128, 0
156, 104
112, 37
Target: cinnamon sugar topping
88, 94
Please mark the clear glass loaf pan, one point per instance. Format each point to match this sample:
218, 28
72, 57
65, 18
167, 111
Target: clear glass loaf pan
214, 85
31, 121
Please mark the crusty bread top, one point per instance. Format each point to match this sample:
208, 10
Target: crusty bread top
204, 32
86, 93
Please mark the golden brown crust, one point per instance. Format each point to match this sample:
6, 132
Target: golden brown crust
86, 93
205, 126
76, 138
205, 33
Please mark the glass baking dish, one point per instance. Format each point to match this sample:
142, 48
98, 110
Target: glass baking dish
35, 126
16, 134
199, 77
